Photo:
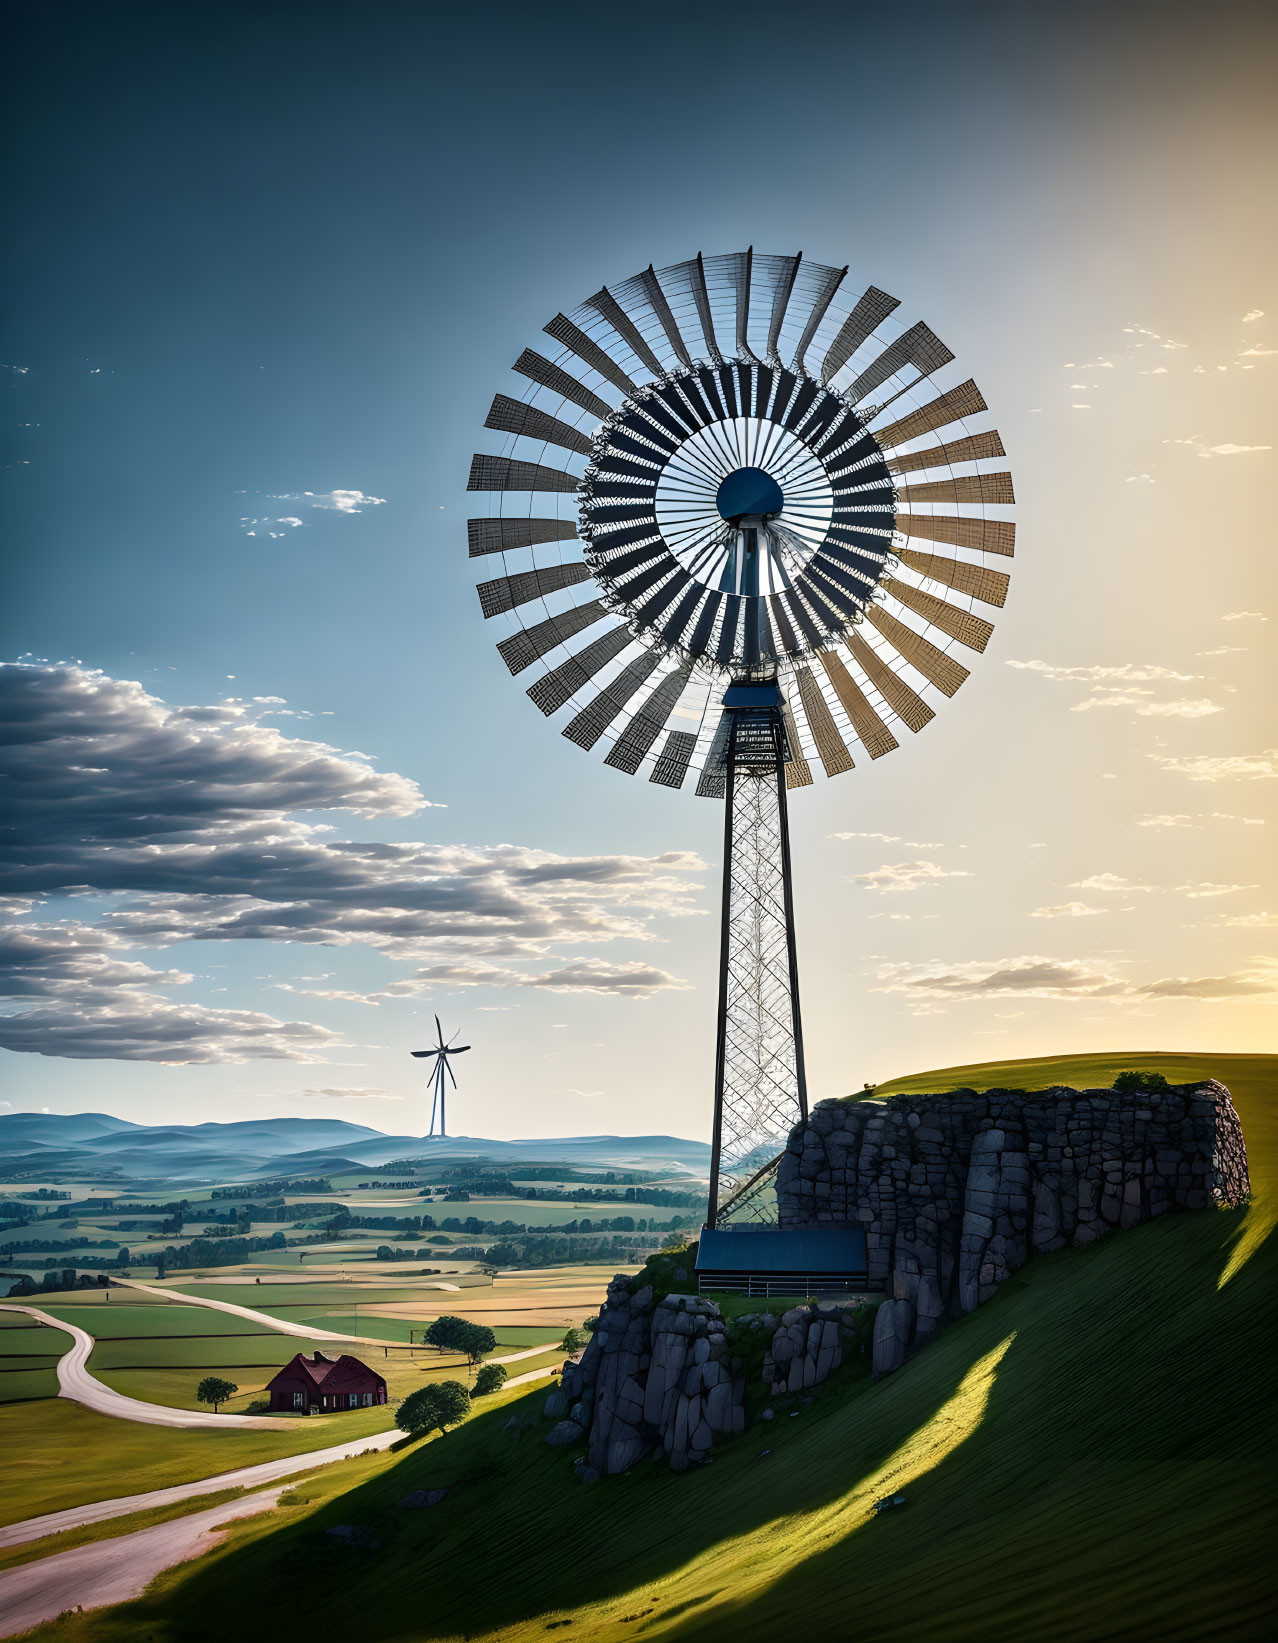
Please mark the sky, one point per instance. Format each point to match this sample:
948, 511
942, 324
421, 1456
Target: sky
276, 800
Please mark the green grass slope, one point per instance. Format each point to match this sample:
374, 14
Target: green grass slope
1088, 1457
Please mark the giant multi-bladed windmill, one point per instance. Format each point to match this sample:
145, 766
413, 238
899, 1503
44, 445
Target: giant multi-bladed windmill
742, 522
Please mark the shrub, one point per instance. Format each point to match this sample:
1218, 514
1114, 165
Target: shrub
574, 1340
434, 1408
1137, 1083
491, 1378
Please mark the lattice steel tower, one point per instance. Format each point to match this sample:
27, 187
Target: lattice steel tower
732, 571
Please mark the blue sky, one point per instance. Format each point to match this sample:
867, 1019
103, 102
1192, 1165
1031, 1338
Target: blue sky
270, 261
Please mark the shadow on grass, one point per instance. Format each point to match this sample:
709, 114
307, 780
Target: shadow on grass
1114, 1483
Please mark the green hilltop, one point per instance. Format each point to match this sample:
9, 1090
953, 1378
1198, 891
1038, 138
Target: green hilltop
1088, 1456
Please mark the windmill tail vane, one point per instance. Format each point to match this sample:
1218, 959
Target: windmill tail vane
442, 1051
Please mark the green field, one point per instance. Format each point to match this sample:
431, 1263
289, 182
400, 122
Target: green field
1087, 1457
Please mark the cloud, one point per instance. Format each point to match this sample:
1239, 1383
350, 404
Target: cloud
1032, 976
1069, 909
1166, 821
1139, 479
1246, 921
1120, 673
1244, 616
1196, 821
1233, 450
68, 992
1253, 314
333, 501
905, 876
1252, 767
336, 1095
1183, 708
891, 838
631, 979
1197, 892
187, 820
1113, 883
1224, 650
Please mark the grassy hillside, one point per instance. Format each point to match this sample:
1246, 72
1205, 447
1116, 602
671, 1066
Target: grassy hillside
1087, 1457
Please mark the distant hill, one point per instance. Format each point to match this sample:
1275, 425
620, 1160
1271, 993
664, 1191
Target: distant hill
96, 1145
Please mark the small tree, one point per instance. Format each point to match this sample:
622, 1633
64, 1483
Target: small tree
491, 1378
213, 1389
434, 1408
478, 1340
1135, 1083
460, 1335
574, 1340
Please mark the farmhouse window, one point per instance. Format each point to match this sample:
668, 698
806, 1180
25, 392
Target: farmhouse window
368, 1398
354, 1403
299, 1400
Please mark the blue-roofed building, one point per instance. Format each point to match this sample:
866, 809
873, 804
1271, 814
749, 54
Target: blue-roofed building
754, 1260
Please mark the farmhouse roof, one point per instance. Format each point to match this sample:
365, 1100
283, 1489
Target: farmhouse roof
330, 1373
797, 1249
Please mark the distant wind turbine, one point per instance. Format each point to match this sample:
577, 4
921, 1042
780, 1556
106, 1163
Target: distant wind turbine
442, 1050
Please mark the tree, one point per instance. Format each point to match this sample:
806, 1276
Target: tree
491, 1378
434, 1408
213, 1389
1135, 1083
452, 1334
574, 1340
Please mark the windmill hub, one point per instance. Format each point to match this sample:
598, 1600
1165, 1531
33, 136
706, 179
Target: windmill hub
749, 493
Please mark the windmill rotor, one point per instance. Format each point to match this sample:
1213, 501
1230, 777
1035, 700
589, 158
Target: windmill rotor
713, 473
741, 526
441, 1052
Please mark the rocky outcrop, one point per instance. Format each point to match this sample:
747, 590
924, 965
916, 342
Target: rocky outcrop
956, 1191
807, 1345
654, 1377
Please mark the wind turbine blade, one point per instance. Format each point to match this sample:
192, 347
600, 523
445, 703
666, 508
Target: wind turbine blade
875, 736
872, 309
502, 473
605, 304
995, 488
906, 703
577, 342
448, 1070
504, 593
919, 348
972, 631
835, 757
589, 725
935, 665
513, 416
672, 762
529, 645
546, 375
975, 448
459, 1049
635, 741
420, 1053
989, 586
952, 406
987, 535
558, 686
499, 535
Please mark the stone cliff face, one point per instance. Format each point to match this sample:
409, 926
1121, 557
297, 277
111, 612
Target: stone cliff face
956, 1191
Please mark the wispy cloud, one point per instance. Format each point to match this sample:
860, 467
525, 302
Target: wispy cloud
1252, 767
1033, 976
1113, 884
1252, 315
333, 501
1244, 616
905, 876
1069, 909
1183, 708
1112, 673
892, 838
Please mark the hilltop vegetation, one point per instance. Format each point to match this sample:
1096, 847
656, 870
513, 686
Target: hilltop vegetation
1087, 1456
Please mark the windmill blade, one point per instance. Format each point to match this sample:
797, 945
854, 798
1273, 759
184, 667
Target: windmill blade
906, 703
672, 762
969, 630
422, 1053
831, 748
513, 416
607, 306
952, 406
500, 473
449, 1071
529, 645
984, 535
871, 310
577, 342
504, 593
697, 273
458, 1049
975, 448
989, 586
636, 740
501, 535
995, 488
661, 308
546, 375
780, 302
935, 665
743, 272
589, 725
562, 683
919, 347
798, 772
439, 1031
831, 280
875, 736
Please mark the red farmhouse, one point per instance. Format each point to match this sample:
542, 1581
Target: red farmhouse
318, 1382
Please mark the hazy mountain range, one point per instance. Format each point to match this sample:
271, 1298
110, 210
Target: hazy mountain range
91, 1145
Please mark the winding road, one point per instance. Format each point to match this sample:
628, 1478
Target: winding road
113, 1571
